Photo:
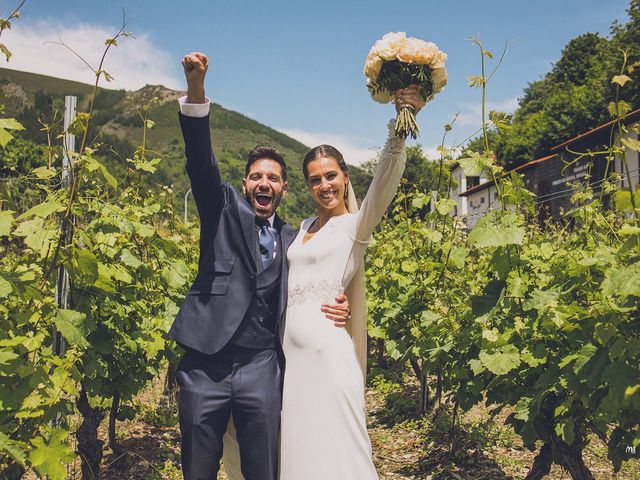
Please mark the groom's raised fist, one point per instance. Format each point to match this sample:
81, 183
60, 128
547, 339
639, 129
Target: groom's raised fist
195, 66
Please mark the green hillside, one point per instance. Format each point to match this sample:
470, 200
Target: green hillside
117, 130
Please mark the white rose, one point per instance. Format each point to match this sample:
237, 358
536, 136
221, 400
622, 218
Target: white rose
438, 59
373, 65
439, 78
389, 45
414, 50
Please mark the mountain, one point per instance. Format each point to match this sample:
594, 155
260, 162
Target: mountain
117, 131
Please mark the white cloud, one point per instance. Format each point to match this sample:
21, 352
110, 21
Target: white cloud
135, 62
353, 153
471, 115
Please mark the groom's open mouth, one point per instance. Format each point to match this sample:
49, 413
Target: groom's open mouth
263, 199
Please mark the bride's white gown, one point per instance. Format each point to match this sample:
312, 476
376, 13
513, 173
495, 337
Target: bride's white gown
323, 429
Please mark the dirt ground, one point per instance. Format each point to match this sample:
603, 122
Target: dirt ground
406, 445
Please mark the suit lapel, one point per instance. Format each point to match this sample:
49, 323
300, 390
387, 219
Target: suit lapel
248, 223
287, 236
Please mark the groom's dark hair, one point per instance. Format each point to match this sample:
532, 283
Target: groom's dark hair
265, 151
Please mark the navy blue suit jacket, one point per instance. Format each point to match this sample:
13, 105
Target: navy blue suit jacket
226, 282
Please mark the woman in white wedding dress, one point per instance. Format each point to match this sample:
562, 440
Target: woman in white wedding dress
323, 426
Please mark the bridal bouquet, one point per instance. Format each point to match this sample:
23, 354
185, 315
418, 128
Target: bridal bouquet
397, 61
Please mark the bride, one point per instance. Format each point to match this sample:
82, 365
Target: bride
323, 424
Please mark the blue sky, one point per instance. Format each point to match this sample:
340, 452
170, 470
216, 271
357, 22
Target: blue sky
297, 66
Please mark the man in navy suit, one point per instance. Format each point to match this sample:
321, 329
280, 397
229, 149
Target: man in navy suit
231, 321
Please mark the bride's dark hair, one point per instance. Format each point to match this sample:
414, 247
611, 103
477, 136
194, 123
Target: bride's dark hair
322, 151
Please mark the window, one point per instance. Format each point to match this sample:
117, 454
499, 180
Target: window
473, 181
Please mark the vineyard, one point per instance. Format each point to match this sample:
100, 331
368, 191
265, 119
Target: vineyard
536, 325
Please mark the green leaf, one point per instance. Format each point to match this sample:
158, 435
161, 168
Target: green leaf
490, 335
420, 200
71, 325
631, 143
92, 164
521, 411
85, 264
501, 361
42, 210
50, 457
6, 52
619, 109
458, 256
476, 366
129, 259
475, 81
565, 430
147, 166
620, 79
627, 229
622, 281
44, 173
37, 236
445, 205
6, 357
6, 220
8, 124
14, 448
623, 203
474, 165
5, 288
409, 266
497, 229
143, 230
487, 300
604, 332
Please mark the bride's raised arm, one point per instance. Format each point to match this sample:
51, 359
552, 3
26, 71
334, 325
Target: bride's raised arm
389, 172
384, 185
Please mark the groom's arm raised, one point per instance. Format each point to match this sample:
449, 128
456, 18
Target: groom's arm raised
202, 167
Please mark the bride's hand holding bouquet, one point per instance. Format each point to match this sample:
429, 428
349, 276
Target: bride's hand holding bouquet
396, 62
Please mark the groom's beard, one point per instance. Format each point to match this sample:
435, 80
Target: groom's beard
257, 199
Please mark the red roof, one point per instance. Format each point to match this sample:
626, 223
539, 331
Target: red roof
484, 185
629, 117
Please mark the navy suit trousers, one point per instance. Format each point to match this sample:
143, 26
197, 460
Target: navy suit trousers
236, 381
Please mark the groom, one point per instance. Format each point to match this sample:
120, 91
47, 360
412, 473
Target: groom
231, 321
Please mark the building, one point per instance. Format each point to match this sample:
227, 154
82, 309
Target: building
551, 177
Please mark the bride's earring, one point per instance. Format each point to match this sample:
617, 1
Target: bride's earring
346, 190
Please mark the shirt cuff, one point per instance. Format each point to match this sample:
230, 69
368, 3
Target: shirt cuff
198, 110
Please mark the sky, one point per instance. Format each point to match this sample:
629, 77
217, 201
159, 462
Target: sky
297, 66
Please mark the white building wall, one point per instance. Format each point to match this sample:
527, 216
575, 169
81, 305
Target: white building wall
633, 164
480, 203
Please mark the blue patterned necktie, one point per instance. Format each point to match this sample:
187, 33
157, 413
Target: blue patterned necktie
267, 239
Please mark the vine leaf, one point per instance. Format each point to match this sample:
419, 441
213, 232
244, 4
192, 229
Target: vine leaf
6, 220
501, 361
71, 324
13, 448
5, 125
622, 281
50, 457
620, 79
497, 229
